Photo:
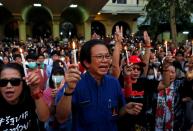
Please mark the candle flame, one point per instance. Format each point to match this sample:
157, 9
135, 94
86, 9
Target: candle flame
125, 48
73, 45
165, 43
62, 58
20, 50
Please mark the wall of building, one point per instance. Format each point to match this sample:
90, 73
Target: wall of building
109, 20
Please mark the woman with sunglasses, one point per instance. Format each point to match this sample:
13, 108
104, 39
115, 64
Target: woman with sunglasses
136, 88
21, 102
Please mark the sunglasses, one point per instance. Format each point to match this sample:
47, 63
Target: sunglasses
136, 68
13, 81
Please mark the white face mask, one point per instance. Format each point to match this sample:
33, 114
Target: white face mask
57, 79
32, 65
150, 77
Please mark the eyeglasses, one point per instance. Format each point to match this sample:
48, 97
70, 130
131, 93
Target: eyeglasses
102, 57
13, 81
136, 68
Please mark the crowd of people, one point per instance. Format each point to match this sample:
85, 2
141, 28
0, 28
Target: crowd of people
98, 85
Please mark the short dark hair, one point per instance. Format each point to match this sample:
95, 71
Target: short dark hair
31, 56
85, 52
55, 53
15, 56
180, 53
55, 70
40, 55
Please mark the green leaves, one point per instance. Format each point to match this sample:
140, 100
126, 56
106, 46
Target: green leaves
159, 13
159, 10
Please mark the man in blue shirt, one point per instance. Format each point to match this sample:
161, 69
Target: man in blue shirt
95, 98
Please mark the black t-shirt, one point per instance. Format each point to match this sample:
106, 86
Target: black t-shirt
144, 91
19, 117
187, 90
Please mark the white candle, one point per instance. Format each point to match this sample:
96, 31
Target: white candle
74, 52
62, 59
127, 57
23, 62
186, 42
41, 41
159, 48
166, 44
139, 46
55, 83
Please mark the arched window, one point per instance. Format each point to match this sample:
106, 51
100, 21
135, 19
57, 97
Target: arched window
40, 21
67, 30
11, 29
126, 28
98, 28
9, 26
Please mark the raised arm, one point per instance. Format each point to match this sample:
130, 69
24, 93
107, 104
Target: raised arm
33, 80
63, 109
165, 82
117, 51
147, 51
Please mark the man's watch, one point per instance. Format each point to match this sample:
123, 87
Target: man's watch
68, 94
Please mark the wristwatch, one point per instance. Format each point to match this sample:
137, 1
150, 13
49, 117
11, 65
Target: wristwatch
67, 94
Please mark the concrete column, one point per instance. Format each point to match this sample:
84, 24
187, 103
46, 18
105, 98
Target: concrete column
134, 27
80, 30
56, 29
22, 30
87, 30
109, 27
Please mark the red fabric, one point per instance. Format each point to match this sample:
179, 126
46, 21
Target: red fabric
134, 59
128, 91
81, 68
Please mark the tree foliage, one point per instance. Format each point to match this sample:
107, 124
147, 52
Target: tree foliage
159, 13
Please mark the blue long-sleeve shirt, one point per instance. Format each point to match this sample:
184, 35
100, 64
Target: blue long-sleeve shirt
96, 107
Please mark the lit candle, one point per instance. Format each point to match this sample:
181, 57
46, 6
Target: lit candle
127, 57
69, 33
166, 45
159, 48
139, 46
55, 83
41, 41
62, 59
155, 51
74, 52
174, 53
186, 42
23, 62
